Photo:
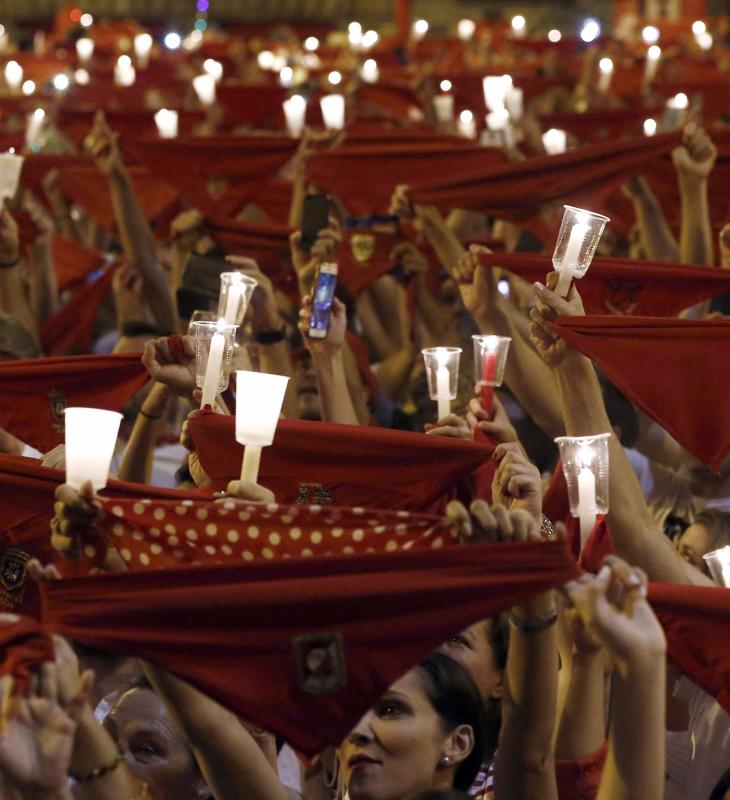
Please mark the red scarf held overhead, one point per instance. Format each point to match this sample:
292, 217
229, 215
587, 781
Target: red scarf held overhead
348, 464
73, 262
187, 164
519, 190
252, 104
606, 124
625, 286
36, 391
288, 642
364, 177
674, 370
72, 326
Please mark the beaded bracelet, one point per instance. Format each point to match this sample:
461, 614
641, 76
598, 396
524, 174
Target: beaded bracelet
97, 773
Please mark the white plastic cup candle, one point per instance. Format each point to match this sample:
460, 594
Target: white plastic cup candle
490, 358
214, 68
259, 397
514, 102
91, 435
555, 141
497, 120
442, 373
444, 106
580, 233
467, 125
295, 111
84, 49
420, 29
650, 127
166, 121
286, 77
519, 26
235, 293
495, 88
13, 76
124, 73
10, 167
466, 29
718, 562
585, 466
204, 86
605, 68
650, 34
653, 54
214, 343
142, 48
34, 127
370, 72
333, 111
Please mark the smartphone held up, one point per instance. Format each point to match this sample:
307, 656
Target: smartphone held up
323, 294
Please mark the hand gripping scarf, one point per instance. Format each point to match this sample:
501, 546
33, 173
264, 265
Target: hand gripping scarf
625, 286
675, 370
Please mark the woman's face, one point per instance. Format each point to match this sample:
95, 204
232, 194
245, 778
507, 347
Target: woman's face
694, 543
472, 650
155, 749
396, 748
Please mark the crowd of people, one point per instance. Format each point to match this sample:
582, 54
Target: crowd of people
143, 654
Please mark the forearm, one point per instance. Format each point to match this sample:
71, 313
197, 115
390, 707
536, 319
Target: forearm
525, 765
582, 728
136, 466
635, 764
437, 331
632, 529
334, 394
95, 748
232, 763
139, 247
444, 241
45, 284
656, 237
696, 235
15, 298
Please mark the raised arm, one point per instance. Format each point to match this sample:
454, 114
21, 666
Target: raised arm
657, 239
137, 240
632, 529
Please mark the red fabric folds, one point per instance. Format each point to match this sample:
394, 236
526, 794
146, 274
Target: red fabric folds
364, 177
626, 286
73, 262
36, 391
520, 189
263, 637
23, 645
667, 367
72, 327
355, 466
188, 164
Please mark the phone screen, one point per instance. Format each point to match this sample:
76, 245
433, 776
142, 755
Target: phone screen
322, 303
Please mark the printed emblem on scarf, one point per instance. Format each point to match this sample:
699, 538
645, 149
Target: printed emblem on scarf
58, 403
313, 494
622, 299
13, 573
320, 663
362, 246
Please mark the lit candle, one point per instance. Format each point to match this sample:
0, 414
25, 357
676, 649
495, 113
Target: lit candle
519, 26
444, 105
370, 72
650, 127
333, 111
605, 67
236, 294
124, 73
653, 54
204, 86
213, 369
295, 109
142, 48
498, 120
586, 503
420, 29
466, 29
443, 395
10, 167
166, 121
578, 233
467, 125
214, 68
286, 77
84, 49
495, 88
34, 127
514, 102
554, 141
13, 75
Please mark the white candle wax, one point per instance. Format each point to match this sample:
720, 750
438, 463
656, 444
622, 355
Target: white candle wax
586, 503
444, 105
295, 110
124, 75
236, 293
370, 72
13, 75
142, 48
166, 121
84, 49
251, 462
467, 125
578, 233
333, 111
213, 369
34, 127
443, 395
554, 141
498, 120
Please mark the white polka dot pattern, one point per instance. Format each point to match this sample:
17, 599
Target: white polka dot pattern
155, 534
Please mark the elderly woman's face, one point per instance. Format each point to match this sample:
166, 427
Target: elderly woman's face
155, 749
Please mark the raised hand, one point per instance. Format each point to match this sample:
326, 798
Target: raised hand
173, 366
696, 156
548, 307
102, 143
495, 424
335, 338
516, 484
75, 512
482, 523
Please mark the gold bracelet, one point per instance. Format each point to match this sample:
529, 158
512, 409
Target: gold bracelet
99, 772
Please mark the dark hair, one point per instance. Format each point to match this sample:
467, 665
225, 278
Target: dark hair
721, 787
717, 523
455, 698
